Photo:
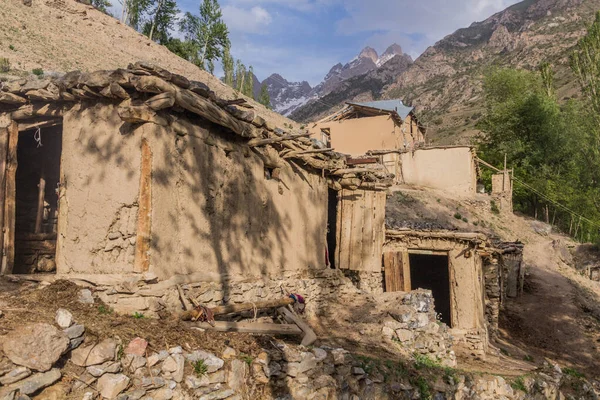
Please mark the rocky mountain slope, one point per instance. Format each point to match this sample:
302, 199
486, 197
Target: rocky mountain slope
445, 82
287, 97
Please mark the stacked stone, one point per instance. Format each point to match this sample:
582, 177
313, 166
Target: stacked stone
415, 327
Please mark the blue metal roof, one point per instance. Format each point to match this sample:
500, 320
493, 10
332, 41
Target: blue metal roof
388, 105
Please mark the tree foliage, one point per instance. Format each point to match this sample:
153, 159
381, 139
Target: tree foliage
264, 98
102, 5
162, 19
133, 12
228, 67
547, 145
207, 33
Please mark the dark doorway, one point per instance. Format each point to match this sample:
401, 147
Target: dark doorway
432, 272
37, 180
332, 205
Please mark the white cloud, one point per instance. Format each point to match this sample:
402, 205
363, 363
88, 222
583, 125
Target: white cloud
426, 20
253, 20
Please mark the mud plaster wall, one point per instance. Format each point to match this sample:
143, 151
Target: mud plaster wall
213, 209
466, 287
450, 169
357, 136
100, 167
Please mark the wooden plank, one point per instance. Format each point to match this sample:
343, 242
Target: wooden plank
4, 135
275, 139
249, 327
345, 243
43, 246
379, 222
10, 205
367, 233
36, 236
405, 265
393, 271
361, 161
144, 229
235, 308
309, 335
356, 240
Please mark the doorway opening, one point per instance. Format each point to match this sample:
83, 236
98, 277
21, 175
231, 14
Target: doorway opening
332, 206
37, 183
432, 272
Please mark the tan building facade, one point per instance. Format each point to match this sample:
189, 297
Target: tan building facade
363, 127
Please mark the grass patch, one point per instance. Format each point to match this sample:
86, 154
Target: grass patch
37, 72
424, 388
519, 384
200, 367
572, 372
12, 47
104, 309
120, 352
4, 64
138, 315
247, 358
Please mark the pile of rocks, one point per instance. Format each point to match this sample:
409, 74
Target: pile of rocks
413, 325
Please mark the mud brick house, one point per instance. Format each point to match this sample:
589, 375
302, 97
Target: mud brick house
375, 125
140, 170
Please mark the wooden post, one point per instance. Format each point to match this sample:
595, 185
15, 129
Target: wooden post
4, 136
40, 208
142, 245
8, 258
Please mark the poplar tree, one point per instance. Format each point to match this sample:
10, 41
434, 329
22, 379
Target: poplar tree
264, 98
248, 86
162, 20
102, 5
133, 11
208, 33
228, 67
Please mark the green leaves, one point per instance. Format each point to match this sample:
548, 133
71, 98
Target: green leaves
264, 98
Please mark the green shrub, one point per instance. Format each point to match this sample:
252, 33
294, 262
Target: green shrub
465, 219
138, 315
37, 71
528, 358
573, 373
247, 358
12, 47
457, 216
4, 64
200, 368
519, 384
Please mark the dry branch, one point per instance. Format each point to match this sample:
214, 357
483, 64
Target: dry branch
249, 327
277, 139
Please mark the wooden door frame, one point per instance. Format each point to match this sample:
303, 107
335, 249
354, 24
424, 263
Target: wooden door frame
8, 186
441, 253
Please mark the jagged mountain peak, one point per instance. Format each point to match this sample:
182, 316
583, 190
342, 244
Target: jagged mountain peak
369, 52
394, 49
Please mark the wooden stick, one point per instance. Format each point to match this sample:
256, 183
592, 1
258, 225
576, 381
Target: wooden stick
40, 206
235, 308
4, 140
37, 110
309, 335
263, 142
186, 304
341, 172
312, 151
249, 327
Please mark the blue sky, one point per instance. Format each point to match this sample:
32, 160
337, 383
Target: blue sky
303, 39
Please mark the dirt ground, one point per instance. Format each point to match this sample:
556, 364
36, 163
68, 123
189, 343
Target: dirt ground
558, 315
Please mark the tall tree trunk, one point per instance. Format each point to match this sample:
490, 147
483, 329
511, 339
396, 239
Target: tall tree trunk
155, 20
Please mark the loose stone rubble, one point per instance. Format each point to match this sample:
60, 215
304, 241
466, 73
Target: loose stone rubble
111, 369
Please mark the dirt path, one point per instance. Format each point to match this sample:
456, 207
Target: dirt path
548, 320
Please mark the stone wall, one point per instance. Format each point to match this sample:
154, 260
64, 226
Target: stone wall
62, 360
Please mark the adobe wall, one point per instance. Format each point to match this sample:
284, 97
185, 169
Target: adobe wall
213, 211
449, 169
466, 286
98, 199
357, 136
